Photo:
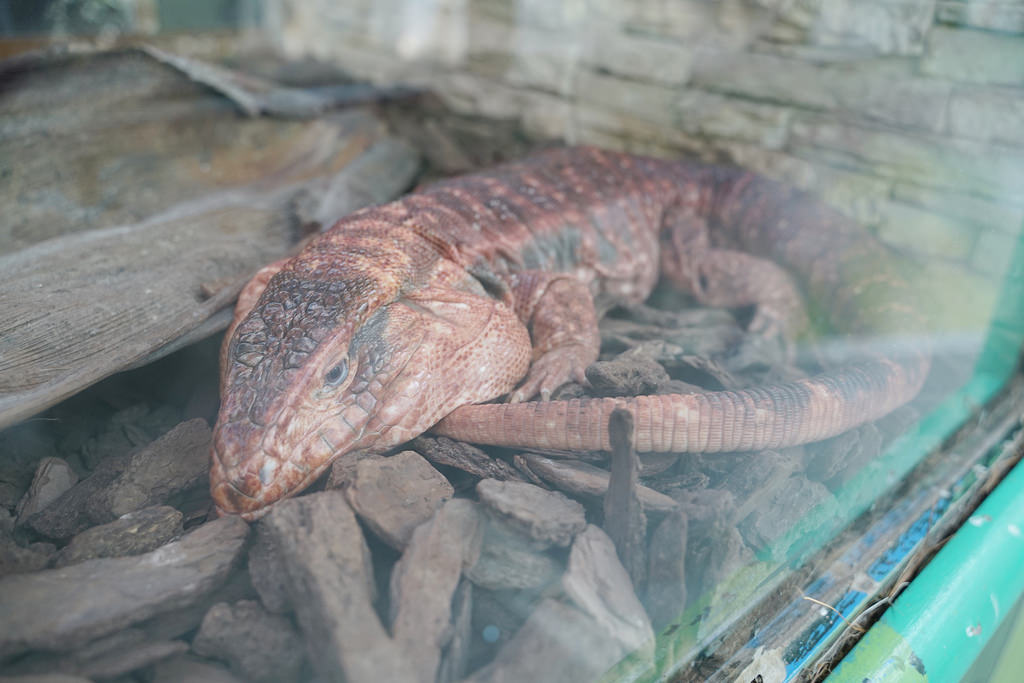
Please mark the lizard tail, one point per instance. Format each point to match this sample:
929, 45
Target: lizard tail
771, 416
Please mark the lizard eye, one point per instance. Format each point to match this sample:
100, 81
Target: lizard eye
337, 374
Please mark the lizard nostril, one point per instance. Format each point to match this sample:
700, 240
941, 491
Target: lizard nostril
267, 471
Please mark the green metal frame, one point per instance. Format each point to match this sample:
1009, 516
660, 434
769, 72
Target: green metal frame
939, 625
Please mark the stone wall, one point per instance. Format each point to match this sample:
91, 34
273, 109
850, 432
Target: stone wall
905, 114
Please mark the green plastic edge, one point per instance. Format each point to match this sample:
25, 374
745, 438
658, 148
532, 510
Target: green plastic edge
940, 624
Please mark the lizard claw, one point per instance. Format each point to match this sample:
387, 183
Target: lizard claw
552, 370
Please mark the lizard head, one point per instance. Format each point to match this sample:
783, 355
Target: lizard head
325, 366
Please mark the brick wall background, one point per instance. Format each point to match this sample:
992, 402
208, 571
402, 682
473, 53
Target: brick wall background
905, 114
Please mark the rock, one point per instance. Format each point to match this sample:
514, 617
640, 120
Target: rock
267, 572
988, 114
174, 463
183, 622
666, 574
714, 551
558, 642
547, 517
53, 478
67, 516
131, 534
22, 447
455, 659
9, 495
258, 645
59, 609
189, 669
16, 559
779, 513
597, 583
887, 27
994, 15
396, 494
756, 477
639, 57
497, 616
508, 561
329, 581
44, 678
105, 658
443, 451
910, 228
626, 377
974, 56
581, 479
424, 581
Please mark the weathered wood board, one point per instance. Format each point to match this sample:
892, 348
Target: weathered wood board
135, 203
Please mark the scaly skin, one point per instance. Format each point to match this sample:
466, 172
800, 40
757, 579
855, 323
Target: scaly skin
404, 314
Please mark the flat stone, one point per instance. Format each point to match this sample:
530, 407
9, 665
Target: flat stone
9, 495
258, 645
68, 515
989, 114
190, 669
756, 477
882, 26
105, 658
22, 446
913, 229
508, 561
714, 552
974, 56
396, 494
424, 581
131, 534
994, 15
60, 609
965, 167
583, 479
597, 583
16, 559
267, 573
969, 209
646, 101
444, 451
666, 573
626, 377
44, 678
53, 478
330, 586
558, 642
174, 463
548, 517
708, 115
640, 57
184, 621
780, 513
455, 658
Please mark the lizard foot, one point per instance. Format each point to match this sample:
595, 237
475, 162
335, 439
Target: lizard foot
552, 370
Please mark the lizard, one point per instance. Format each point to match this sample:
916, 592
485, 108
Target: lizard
413, 315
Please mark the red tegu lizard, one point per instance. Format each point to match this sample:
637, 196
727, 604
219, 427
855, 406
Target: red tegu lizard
400, 316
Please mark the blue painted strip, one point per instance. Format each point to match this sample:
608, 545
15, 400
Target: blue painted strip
810, 640
907, 541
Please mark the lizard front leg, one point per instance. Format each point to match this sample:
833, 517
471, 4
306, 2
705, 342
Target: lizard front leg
727, 278
559, 311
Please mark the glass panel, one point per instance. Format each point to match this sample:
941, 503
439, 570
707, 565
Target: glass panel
802, 237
